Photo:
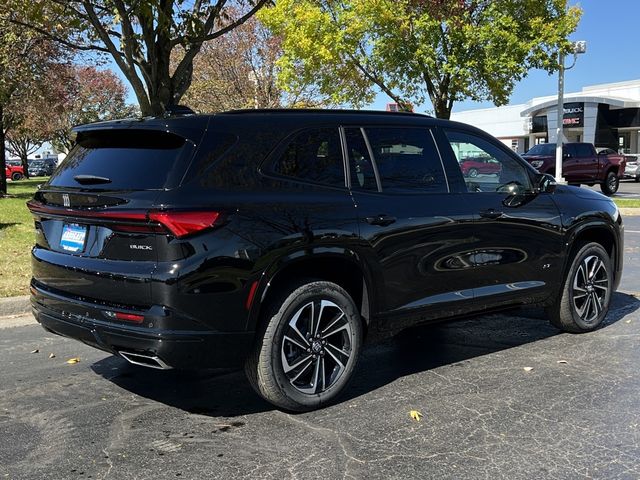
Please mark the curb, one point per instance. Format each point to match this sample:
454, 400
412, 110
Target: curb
13, 306
629, 211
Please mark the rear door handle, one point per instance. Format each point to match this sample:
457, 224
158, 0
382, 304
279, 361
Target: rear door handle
491, 214
382, 220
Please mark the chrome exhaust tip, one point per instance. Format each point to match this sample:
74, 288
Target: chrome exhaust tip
142, 360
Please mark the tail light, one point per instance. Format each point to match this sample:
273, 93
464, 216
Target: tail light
177, 222
182, 224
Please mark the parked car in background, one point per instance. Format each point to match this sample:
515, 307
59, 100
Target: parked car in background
280, 239
631, 170
474, 166
581, 164
42, 167
14, 172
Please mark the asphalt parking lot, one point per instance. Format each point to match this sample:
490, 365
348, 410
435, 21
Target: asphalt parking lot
628, 189
501, 396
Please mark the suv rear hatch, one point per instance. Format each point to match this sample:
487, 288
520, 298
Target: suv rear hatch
98, 226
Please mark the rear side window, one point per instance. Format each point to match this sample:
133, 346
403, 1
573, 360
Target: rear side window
570, 150
407, 160
313, 156
584, 150
130, 160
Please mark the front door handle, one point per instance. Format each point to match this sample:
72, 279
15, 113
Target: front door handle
382, 220
491, 214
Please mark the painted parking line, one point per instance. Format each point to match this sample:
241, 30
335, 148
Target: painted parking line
632, 231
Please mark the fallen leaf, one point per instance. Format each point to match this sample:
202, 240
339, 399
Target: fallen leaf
35, 351
527, 369
73, 360
563, 361
415, 415
627, 321
52, 355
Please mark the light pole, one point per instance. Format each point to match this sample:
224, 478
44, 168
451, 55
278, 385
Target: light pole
578, 48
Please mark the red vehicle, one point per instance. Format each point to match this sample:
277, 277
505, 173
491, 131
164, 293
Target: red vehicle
14, 172
581, 164
473, 166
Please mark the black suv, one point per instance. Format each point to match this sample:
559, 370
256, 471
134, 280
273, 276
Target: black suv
280, 239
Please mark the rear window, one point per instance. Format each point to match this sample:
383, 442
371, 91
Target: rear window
131, 160
543, 149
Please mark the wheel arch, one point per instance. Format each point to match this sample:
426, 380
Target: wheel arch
340, 266
613, 168
599, 232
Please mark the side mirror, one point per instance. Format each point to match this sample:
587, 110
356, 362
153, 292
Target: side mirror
546, 183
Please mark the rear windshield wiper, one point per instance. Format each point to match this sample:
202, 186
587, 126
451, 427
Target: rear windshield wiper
91, 179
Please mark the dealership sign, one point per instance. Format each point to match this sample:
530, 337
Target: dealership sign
573, 114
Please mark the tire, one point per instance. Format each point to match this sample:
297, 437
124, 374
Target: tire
584, 300
285, 368
636, 179
473, 172
610, 184
15, 176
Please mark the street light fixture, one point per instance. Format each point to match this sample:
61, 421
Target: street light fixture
578, 48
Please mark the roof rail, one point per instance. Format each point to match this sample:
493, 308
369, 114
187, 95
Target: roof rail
321, 111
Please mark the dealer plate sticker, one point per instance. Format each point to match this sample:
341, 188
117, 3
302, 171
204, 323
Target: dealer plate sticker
73, 236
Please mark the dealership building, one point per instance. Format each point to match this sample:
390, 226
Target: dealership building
606, 115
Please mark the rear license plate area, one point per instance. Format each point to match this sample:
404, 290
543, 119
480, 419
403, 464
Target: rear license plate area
73, 237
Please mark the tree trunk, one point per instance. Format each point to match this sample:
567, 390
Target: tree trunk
442, 107
25, 164
3, 178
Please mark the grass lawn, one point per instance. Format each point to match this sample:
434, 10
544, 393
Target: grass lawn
627, 202
16, 238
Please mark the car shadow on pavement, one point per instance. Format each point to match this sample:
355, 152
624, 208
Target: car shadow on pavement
228, 393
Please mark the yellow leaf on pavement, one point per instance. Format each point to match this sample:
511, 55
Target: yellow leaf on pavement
73, 360
416, 415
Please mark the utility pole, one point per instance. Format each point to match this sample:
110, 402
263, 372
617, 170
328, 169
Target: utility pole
560, 126
578, 48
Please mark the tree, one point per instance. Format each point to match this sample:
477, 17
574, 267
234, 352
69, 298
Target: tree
240, 71
27, 62
28, 136
411, 50
140, 36
89, 95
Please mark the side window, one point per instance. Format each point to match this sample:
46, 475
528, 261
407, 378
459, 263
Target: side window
502, 173
313, 156
362, 170
584, 150
407, 160
570, 150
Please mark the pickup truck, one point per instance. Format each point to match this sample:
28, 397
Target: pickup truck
14, 172
581, 164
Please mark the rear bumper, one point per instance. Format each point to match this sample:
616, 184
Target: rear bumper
183, 349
